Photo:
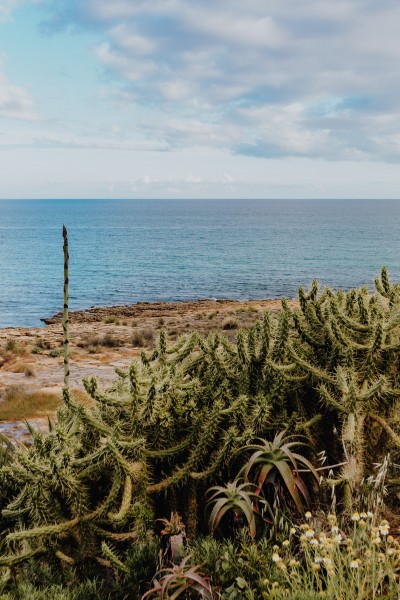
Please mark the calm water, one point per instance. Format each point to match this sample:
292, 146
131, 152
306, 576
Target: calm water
129, 251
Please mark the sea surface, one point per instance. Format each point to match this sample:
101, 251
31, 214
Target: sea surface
125, 251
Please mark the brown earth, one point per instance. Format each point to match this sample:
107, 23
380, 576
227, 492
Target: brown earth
101, 339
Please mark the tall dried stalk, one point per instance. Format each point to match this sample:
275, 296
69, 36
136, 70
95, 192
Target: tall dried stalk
65, 312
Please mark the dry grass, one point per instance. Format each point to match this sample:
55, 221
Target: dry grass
19, 404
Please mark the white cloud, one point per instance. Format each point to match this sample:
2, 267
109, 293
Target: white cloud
15, 102
311, 78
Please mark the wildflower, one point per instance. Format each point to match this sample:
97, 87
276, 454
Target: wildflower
331, 518
293, 563
384, 528
316, 567
318, 559
370, 514
368, 552
381, 556
314, 542
362, 523
275, 548
335, 529
304, 526
355, 516
376, 540
390, 551
292, 530
348, 542
363, 515
308, 515
390, 539
337, 539
285, 543
355, 563
303, 538
310, 533
266, 582
276, 558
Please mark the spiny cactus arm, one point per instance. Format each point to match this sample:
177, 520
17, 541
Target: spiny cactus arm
312, 369
305, 335
178, 346
392, 322
351, 323
164, 452
377, 388
392, 434
89, 459
286, 367
134, 469
197, 454
65, 558
125, 504
43, 531
113, 558
16, 559
65, 311
229, 445
330, 400
112, 535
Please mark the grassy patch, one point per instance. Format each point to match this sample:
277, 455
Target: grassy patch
19, 403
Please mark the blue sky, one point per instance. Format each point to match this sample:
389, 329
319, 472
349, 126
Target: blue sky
199, 98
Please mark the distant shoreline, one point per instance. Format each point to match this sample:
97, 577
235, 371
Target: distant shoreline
161, 309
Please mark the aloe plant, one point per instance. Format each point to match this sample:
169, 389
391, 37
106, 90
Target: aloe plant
178, 581
234, 497
277, 458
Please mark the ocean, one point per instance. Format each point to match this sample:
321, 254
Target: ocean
125, 251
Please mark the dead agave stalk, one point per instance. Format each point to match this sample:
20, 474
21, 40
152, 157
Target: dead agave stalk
65, 312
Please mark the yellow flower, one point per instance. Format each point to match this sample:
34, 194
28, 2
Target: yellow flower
376, 540
316, 567
285, 543
304, 526
293, 563
310, 533
331, 518
266, 582
355, 564
355, 516
292, 530
362, 523
390, 539
363, 515
308, 515
276, 558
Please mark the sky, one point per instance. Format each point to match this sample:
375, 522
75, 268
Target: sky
199, 99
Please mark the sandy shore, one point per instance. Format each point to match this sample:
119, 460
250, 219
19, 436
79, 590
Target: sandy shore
104, 338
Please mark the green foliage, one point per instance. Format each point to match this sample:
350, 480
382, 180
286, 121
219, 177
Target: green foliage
277, 458
88, 491
234, 497
178, 580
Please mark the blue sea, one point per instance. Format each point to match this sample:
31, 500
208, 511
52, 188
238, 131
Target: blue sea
125, 251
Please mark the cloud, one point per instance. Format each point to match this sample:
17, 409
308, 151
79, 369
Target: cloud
15, 102
263, 79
